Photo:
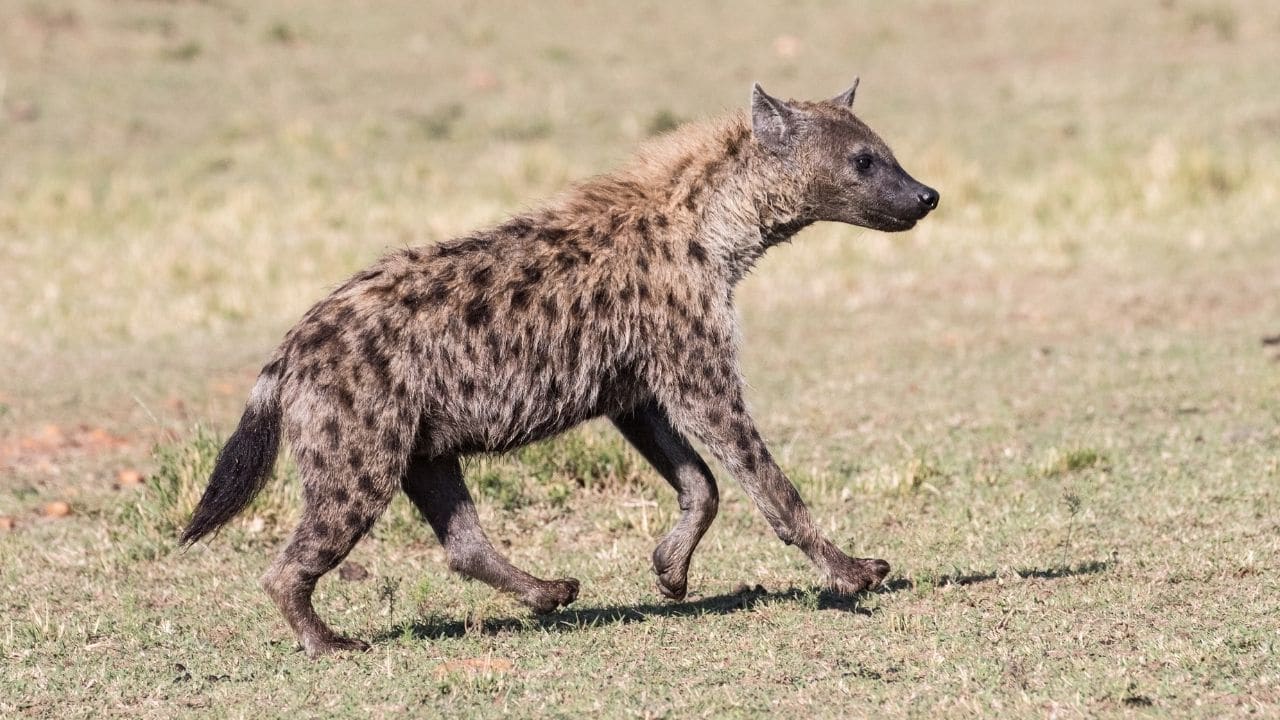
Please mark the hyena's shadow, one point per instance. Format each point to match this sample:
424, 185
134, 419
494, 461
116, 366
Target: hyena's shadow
574, 619
972, 577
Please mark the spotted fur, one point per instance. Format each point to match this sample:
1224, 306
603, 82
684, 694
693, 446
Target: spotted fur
614, 300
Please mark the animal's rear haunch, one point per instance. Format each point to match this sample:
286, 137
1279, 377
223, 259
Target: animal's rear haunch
243, 464
614, 300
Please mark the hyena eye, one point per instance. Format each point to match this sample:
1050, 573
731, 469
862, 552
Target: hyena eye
863, 162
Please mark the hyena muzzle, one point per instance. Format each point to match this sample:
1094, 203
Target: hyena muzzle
614, 300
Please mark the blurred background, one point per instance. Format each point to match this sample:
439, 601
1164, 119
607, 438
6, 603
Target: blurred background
1064, 381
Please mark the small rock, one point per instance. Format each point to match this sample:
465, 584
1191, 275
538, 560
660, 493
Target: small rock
129, 477
56, 509
353, 572
6, 523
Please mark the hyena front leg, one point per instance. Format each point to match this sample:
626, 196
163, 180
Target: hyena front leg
716, 414
436, 487
649, 430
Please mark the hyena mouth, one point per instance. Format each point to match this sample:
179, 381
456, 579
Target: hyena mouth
890, 223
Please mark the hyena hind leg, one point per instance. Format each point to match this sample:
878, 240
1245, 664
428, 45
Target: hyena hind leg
338, 511
436, 487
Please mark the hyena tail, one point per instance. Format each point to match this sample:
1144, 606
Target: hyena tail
244, 463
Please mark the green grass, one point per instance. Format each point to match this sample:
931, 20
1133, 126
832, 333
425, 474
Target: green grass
1048, 406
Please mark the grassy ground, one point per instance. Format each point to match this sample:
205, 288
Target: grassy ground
1049, 406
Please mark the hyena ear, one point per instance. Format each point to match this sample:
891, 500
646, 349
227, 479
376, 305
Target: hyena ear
772, 120
845, 99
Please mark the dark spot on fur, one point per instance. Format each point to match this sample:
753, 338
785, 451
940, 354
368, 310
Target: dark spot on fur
519, 299
733, 146
344, 314
477, 312
341, 496
333, 430
366, 483
549, 309
412, 301
374, 357
697, 252
551, 234
481, 276
355, 520
321, 335
347, 400
601, 300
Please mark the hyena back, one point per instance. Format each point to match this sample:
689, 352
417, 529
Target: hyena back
616, 301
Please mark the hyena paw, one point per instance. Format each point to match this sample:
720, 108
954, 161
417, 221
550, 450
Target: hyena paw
317, 647
673, 578
552, 594
673, 585
855, 575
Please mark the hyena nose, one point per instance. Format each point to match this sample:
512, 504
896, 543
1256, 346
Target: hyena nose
928, 197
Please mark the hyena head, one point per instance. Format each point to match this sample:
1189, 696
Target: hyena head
841, 170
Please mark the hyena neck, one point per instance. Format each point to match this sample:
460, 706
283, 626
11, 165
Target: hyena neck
738, 202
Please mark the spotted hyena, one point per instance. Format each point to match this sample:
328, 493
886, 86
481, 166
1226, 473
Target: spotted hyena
614, 300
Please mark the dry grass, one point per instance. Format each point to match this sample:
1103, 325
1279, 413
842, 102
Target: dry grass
1048, 405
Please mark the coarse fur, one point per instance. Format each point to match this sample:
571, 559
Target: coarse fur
615, 300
